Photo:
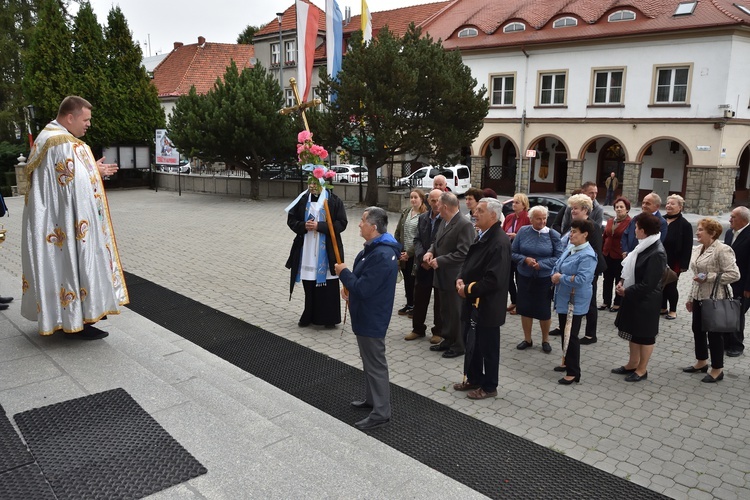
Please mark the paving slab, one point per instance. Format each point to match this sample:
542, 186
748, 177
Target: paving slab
229, 253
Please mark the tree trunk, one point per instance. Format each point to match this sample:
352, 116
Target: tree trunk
371, 196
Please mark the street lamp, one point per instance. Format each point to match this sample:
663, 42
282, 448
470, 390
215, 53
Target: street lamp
280, 16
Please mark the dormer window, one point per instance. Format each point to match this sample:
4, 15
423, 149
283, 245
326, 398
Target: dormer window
685, 8
565, 22
621, 15
468, 33
513, 27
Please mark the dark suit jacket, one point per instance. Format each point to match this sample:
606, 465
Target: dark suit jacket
741, 249
422, 242
450, 247
486, 273
639, 311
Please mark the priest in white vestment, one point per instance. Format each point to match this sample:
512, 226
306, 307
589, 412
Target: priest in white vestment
72, 275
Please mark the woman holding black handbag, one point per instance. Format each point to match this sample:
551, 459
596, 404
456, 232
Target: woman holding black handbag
711, 260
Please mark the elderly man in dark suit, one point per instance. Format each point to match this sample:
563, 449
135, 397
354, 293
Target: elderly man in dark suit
427, 228
483, 282
739, 239
445, 256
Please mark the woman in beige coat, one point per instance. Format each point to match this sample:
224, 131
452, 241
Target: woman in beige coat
709, 258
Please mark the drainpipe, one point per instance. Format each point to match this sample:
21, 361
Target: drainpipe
522, 143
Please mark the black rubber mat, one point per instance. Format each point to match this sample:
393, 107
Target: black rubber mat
104, 446
489, 460
13, 453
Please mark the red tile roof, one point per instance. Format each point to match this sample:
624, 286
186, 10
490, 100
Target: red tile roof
398, 20
289, 21
652, 16
198, 65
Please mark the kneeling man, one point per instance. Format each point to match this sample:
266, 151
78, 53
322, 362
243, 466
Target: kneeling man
370, 288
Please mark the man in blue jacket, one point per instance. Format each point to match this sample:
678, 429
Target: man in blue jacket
370, 289
650, 204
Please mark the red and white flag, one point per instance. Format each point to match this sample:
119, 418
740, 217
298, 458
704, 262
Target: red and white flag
307, 33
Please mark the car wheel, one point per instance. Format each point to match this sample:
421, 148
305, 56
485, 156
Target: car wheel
344, 181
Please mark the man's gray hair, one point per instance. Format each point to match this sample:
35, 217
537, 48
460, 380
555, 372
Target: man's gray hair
378, 218
743, 212
494, 206
540, 208
655, 197
449, 199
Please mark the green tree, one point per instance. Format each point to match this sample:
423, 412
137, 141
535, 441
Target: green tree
48, 63
247, 34
17, 18
236, 122
133, 108
404, 95
90, 69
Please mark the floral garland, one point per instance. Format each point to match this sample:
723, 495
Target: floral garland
310, 157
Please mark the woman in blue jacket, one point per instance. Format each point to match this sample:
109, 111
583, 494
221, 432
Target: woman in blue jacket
572, 276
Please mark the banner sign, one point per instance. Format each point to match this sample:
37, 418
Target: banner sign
166, 153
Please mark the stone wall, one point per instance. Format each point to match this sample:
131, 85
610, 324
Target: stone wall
574, 178
631, 179
709, 189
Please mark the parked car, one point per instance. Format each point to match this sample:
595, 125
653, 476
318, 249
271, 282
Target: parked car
458, 177
349, 173
553, 204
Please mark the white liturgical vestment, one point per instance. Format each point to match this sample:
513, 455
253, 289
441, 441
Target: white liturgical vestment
71, 268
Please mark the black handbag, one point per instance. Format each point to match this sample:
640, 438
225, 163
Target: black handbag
720, 315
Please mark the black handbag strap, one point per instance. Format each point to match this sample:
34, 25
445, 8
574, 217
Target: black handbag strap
715, 288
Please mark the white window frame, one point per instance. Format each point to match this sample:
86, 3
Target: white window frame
503, 77
565, 22
685, 8
556, 76
289, 98
613, 17
672, 68
608, 88
290, 51
514, 27
468, 33
275, 53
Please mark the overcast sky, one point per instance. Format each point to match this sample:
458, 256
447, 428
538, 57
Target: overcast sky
169, 21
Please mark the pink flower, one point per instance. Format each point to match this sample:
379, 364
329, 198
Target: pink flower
304, 136
330, 174
300, 148
318, 150
318, 172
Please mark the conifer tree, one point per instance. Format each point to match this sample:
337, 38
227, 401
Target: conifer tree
48, 75
90, 69
237, 122
134, 107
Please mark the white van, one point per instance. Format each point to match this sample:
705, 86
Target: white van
458, 177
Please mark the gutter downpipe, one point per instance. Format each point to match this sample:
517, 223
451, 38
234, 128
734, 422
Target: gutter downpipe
521, 144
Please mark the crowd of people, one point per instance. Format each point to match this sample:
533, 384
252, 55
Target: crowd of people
479, 267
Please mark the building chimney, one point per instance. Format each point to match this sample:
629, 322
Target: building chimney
177, 45
201, 41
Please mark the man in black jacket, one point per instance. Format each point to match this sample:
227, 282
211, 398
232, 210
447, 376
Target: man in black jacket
427, 228
739, 239
483, 283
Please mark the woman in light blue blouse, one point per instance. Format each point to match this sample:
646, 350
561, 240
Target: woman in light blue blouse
572, 276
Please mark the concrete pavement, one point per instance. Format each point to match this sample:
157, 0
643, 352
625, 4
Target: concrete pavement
671, 433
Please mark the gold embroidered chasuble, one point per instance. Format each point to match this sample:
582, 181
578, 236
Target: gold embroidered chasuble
71, 267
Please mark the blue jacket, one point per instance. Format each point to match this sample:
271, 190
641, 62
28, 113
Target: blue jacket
372, 286
544, 248
582, 265
629, 241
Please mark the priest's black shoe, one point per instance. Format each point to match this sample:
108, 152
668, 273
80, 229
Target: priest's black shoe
588, 340
361, 405
6, 300
3, 307
369, 424
90, 332
442, 346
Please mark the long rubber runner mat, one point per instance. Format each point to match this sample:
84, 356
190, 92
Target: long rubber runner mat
489, 460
